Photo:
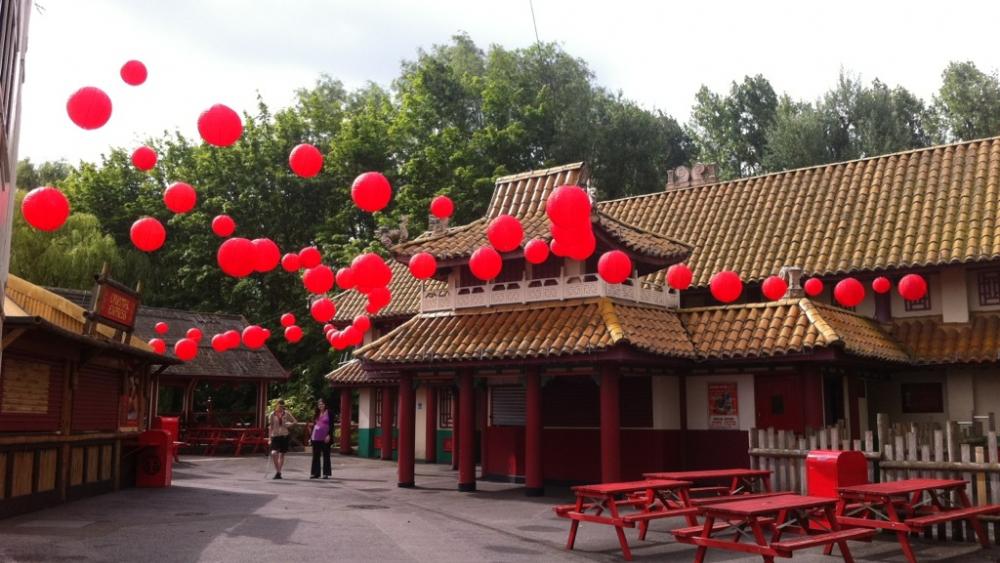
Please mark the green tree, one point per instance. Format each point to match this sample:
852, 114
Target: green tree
731, 130
30, 176
968, 103
799, 137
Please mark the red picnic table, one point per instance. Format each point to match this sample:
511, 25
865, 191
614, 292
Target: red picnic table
651, 499
741, 480
814, 518
910, 505
210, 438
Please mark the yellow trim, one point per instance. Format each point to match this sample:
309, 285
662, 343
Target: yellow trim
610, 317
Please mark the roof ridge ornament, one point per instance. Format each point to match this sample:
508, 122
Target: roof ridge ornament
792, 275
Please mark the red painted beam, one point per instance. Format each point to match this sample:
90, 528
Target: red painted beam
533, 480
467, 434
430, 430
345, 420
610, 425
386, 449
456, 410
407, 428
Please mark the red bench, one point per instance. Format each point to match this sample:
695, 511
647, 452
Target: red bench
785, 548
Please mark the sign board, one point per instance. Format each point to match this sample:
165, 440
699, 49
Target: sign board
723, 406
114, 304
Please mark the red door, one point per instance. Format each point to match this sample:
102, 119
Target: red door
780, 402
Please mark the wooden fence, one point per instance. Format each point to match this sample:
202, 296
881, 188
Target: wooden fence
964, 450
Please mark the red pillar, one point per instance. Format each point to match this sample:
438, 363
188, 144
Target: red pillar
455, 413
533, 483
467, 434
345, 420
387, 409
407, 428
610, 426
430, 429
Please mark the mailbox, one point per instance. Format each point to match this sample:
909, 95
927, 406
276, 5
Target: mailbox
826, 470
155, 464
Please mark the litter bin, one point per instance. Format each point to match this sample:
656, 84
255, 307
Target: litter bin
171, 424
155, 467
826, 470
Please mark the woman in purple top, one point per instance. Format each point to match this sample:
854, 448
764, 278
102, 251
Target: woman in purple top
322, 436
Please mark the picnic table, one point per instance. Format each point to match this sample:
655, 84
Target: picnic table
210, 438
650, 499
741, 480
910, 505
814, 518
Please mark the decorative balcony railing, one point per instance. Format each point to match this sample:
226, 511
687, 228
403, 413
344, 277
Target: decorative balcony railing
546, 289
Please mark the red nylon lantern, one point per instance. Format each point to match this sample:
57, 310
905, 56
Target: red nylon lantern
774, 288
505, 233
158, 345
327, 328
322, 310
223, 225
352, 336
319, 279
89, 107
186, 349
423, 265
370, 270
219, 343
305, 160
144, 158
266, 255
614, 266
180, 197
912, 287
290, 262
485, 263
236, 257
536, 251
568, 206
287, 320
362, 323
881, 284
679, 277
338, 342
194, 333
849, 292
813, 287
254, 337
345, 278
558, 248
582, 248
378, 298
134, 73
147, 234
233, 338
442, 207
726, 286
45, 208
293, 334
161, 327
310, 257
219, 125
371, 192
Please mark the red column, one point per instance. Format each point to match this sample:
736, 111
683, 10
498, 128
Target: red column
455, 413
387, 409
430, 429
407, 430
345, 420
610, 426
533, 484
467, 434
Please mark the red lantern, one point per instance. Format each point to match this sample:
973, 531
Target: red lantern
558, 248
309, 257
774, 288
813, 287
134, 73
322, 310
505, 233
536, 251
287, 320
290, 262
378, 298
371, 191
327, 328
485, 263
219, 125
305, 160
45, 208
180, 197
362, 323
442, 207
583, 247
345, 278
144, 158
161, 327
912, 287
370, 271
194, 333
158, 345
881, 284
89, 107
186, 349
147, 234
220, 343
679, 277
223, 225
726, 286
568, 206
337, 341
232, 338
293, 334
614, 266
236, 257
319, 279
254, 337
423, 265
849, 292
266, 255
352, 336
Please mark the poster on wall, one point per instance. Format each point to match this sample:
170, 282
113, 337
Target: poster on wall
723, 406
128, 414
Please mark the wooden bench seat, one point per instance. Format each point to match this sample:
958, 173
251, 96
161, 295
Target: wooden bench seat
947, 516
692, 531
720, 490
562, 509
643, 516
786, 547
701, 501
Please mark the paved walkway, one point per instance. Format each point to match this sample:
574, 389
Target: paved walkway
227, 509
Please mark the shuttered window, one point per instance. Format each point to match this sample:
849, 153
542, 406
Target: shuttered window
95, 399
31, 394
571, 402
636, 402
507, 405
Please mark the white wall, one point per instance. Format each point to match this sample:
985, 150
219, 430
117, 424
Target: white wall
365, 412
420, 428
697, 399
666, 402
887, 397
972, 289
933, 288
955, 295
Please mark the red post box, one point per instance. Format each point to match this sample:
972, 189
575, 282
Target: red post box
171, 424
826, 470
155, 464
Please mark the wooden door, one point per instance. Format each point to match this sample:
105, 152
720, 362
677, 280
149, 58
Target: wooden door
780, 402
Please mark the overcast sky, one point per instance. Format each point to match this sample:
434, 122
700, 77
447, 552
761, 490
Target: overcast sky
658, 53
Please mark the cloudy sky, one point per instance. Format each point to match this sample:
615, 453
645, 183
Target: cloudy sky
201, 52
